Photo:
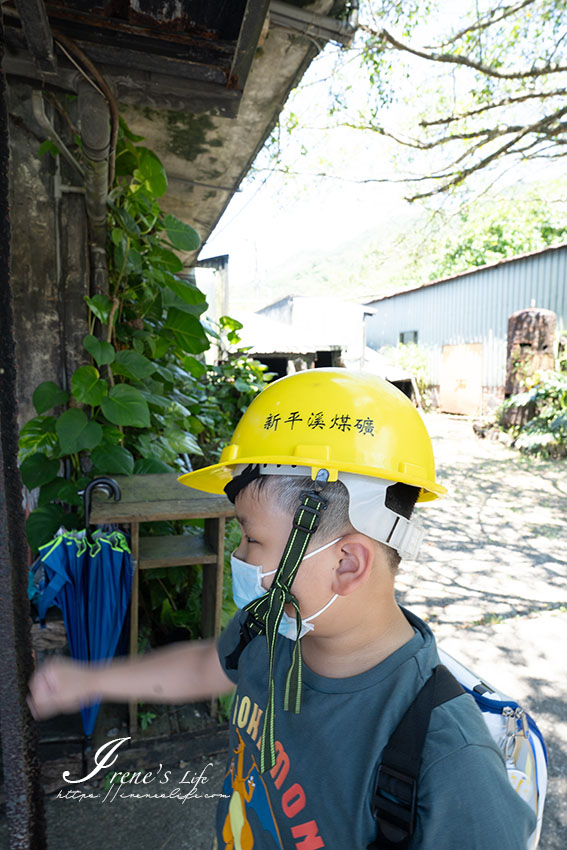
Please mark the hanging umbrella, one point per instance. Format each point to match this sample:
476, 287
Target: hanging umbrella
89, 577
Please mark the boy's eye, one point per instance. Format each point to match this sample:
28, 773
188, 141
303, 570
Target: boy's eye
250, 539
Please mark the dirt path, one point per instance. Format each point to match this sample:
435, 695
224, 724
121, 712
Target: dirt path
492, 582
496, 545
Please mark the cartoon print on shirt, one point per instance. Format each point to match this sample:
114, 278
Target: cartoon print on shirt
246, 792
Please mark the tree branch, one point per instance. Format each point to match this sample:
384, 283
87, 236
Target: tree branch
508, 101
503, 150
453, 59
490, 21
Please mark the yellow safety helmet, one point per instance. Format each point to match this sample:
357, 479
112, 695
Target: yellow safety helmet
330, 419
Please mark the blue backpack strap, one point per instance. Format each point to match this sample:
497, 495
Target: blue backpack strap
394, 804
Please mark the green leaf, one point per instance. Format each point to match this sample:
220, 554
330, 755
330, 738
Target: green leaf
185, 290
162, 346
242, 386
72, 521
128, 132
232, 324
69, 492
127, 221
134, 262
48, 395
170, 299
187, 330
125, 405
38, 433
61, 490
101, 306
101, 352
165, 258
182, 441
165, 374
37, 469
43, 523
114, 460
132, 365
87, 386
165, 404
76, 433
151, 465
50, 491
48, 147
153, 172
112, 435
194, 366
181, 235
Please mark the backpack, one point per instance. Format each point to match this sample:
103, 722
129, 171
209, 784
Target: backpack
394, 803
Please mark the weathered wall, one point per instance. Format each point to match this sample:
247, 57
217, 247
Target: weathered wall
49, 257
207, 156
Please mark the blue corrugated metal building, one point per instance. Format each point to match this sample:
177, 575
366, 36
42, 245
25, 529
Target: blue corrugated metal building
461, 322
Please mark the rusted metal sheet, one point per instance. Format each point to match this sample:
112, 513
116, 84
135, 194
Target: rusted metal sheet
531, 335
460, 388
164, 19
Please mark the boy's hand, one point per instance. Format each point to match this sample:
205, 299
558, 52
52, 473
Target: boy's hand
59, 687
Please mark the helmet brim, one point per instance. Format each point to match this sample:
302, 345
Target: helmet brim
213, 479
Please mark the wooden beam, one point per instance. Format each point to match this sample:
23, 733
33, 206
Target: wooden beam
38, 34
250, 31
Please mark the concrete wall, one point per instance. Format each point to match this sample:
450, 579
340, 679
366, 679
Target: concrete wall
49, 257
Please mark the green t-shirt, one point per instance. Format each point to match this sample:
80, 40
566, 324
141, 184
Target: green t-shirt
319, 792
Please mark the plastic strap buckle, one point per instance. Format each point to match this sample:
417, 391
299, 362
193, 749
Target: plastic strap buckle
308, 514
406, 537
394, 804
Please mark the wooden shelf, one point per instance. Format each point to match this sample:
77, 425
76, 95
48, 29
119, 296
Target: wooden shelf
162, 497
175, 551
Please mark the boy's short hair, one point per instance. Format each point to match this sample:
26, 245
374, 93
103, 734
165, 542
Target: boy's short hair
287, 490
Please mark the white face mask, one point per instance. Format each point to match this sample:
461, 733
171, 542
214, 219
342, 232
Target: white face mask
247, 586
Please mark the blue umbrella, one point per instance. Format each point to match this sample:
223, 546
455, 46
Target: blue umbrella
89, 577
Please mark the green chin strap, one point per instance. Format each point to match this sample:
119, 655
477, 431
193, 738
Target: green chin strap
265, 614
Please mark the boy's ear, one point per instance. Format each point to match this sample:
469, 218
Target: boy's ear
356, 559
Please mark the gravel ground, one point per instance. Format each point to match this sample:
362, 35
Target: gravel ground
491, 582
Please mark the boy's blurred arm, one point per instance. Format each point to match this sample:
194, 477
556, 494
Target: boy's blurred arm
182, 672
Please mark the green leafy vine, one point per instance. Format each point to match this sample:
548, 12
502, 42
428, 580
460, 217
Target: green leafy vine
145, 400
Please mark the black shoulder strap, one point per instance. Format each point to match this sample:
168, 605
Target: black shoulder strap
394, 804
249, 629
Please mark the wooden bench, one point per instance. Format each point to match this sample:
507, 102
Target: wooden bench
150, 498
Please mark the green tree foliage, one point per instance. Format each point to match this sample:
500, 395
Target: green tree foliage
491, 232
546, 433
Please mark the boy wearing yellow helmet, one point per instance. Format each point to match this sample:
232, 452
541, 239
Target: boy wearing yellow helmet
324, 469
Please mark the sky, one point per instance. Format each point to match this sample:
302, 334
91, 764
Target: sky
275, 218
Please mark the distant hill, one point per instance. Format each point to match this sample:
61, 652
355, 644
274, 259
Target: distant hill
420, 245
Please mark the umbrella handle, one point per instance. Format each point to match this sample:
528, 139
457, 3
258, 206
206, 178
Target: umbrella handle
111, 488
